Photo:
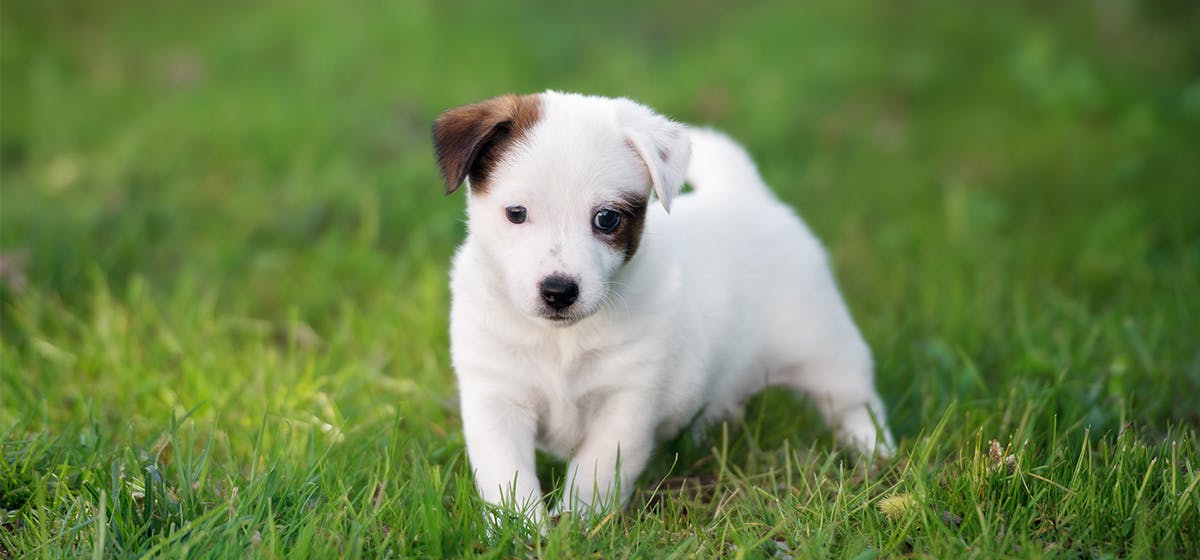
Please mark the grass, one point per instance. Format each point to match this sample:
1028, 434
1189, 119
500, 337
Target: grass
224, 293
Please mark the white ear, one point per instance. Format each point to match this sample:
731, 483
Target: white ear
662, 144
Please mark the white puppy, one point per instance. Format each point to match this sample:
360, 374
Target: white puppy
591, 324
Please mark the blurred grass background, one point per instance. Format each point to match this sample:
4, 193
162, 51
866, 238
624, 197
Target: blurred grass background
230, 210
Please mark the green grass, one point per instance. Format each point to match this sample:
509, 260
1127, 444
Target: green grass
232, 339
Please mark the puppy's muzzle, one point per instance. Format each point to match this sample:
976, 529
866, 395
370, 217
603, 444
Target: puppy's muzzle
559, 292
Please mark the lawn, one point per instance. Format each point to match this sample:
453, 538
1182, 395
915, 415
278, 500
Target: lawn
223, 293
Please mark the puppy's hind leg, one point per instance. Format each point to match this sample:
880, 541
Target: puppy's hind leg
840, 381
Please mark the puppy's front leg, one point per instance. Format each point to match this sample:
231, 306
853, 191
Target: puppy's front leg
500, 444
619, 440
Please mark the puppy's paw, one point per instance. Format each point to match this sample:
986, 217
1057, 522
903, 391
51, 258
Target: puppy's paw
520, 523
860, 432
870, 442
583, 513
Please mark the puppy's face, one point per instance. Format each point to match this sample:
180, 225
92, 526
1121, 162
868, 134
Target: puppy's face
559, 188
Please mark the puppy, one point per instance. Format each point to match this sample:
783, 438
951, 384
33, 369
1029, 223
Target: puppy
590, 323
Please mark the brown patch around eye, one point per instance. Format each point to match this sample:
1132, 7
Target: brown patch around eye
470, 141
628, 235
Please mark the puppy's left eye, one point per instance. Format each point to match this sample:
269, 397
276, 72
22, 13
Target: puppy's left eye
606, 220
515, 214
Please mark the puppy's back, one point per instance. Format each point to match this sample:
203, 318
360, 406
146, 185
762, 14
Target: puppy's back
719, 164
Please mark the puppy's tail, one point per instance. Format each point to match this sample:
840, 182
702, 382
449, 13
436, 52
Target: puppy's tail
720, 164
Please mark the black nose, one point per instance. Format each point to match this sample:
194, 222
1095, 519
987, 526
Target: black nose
559, 292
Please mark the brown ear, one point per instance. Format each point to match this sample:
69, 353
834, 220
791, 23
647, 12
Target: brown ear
469, 141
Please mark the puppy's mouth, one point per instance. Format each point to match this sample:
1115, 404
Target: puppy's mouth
564, 317
561, 319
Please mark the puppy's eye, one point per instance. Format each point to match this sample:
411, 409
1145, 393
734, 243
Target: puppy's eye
606, 220
516, 214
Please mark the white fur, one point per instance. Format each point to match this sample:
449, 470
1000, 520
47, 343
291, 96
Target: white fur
726, 295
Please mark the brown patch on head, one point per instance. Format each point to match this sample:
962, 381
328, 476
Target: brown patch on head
628, 235
470, 141
663, 154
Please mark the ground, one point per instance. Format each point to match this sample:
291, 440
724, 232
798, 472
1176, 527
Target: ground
224, 244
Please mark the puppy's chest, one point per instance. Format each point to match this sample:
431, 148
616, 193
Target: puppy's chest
568, 396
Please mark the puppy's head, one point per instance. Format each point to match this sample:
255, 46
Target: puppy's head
558, 189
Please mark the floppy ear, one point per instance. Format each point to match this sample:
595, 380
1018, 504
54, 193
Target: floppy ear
662, 144
469, 141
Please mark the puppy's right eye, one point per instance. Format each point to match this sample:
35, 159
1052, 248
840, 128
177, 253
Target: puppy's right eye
516, 214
